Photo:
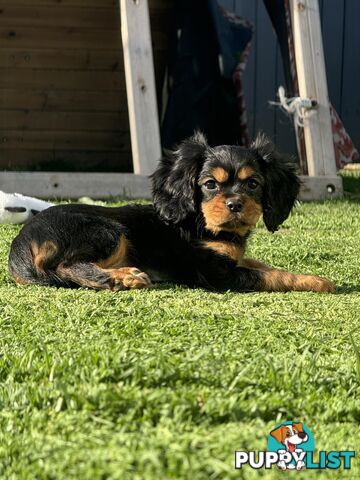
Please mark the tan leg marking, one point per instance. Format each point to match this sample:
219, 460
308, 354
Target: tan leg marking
118, 258
92, 276
275, 280
123, 277
21, 281
42, 253
280, 281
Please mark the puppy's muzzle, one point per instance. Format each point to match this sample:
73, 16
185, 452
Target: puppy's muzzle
234, 205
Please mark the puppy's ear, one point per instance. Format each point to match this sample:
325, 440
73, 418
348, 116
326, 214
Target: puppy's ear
175, 180
281, 183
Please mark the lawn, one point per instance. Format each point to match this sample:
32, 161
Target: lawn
168, 383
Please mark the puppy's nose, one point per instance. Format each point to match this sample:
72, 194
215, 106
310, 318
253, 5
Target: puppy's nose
234, 205
302, 435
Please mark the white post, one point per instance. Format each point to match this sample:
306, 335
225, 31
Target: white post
140, 85
310, 65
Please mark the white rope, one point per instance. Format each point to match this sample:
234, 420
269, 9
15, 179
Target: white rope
296, 106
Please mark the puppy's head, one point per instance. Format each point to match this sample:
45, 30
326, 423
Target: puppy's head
229, 186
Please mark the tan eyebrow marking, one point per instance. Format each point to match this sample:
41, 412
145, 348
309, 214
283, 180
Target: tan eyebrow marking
220, 174
245, 172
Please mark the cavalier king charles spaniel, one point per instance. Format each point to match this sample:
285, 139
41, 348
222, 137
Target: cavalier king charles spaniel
206, 202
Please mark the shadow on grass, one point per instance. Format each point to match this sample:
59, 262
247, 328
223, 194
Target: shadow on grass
170, 286
348, 289
352, 198
351, 184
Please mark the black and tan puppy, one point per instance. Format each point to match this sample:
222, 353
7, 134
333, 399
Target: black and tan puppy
206, 203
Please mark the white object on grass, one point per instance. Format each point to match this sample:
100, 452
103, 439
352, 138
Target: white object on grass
16, 208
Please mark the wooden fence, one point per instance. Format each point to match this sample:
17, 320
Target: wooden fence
341, 39
62, 87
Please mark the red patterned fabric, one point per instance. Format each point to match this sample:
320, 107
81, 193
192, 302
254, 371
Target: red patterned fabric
237, 76
240, 96
345, 151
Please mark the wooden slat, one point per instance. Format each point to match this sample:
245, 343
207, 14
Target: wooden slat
59, 140
37, 120
58, 16
106, 185
69, 3
76, 185
310, 66
62, 37
71, 17
48, 37
62, 80
79, 3
110, 60
65, 160
140, 83
63, 100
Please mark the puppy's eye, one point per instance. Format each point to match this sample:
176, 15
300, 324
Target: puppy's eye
210, 184
252, 183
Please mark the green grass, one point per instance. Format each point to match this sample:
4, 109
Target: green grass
168, 383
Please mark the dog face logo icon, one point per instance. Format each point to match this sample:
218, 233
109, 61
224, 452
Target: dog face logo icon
292, 441
290, 435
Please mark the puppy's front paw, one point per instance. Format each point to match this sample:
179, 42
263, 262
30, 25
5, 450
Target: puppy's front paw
135, 278
322, 284
313, 283
128, 277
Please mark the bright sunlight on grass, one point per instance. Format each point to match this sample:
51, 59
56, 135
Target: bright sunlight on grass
168, 383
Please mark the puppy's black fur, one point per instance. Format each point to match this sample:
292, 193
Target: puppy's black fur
206, 202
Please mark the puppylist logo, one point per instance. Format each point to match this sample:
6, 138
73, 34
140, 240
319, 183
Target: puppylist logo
291, 446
